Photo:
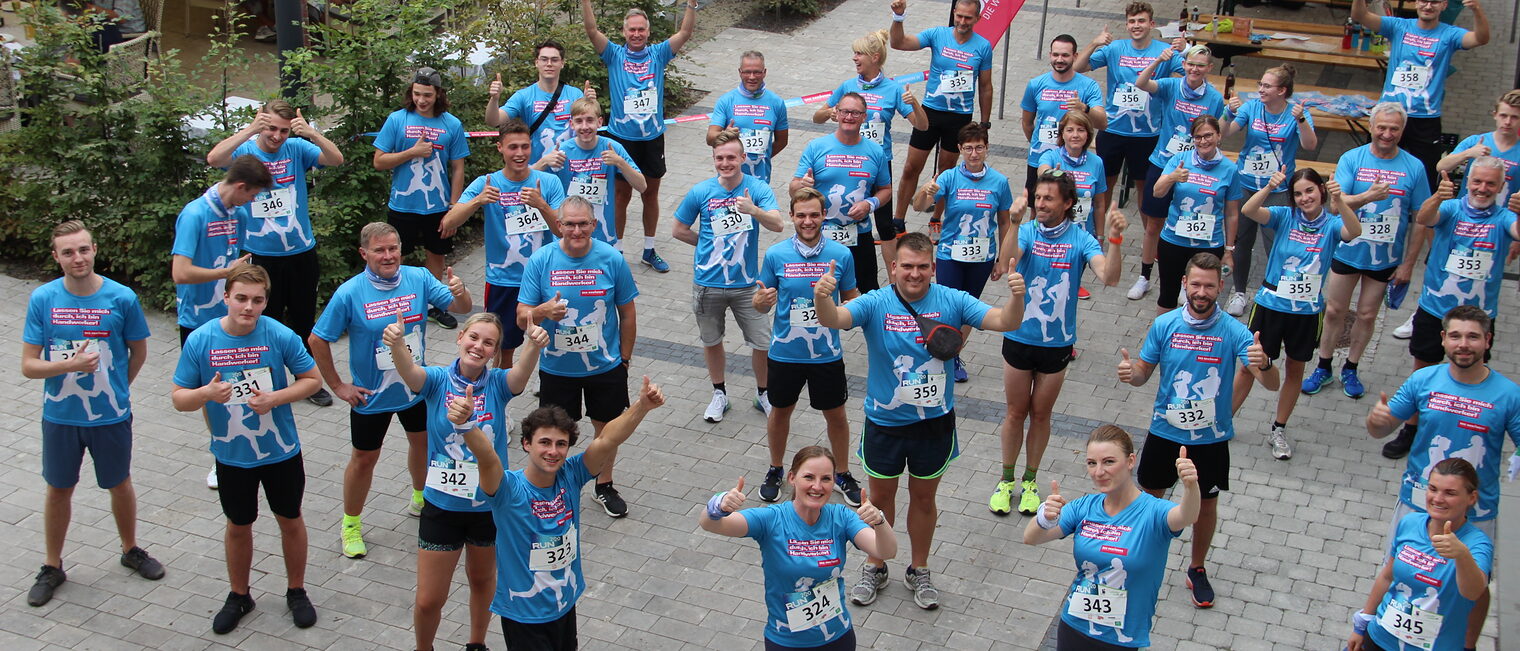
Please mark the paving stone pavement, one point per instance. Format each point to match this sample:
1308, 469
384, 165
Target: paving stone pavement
1296, 551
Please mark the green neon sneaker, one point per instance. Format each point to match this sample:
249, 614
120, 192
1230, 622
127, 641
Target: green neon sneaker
1002, 498
1030, 501
415, 508
353, 541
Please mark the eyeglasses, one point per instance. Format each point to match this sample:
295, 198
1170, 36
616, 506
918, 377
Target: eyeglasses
1430, 2
974, 148
550, 60
428, 77
574, 225
1263, 84
850, 112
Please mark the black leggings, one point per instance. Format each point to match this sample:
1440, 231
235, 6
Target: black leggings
292, 290
864, 254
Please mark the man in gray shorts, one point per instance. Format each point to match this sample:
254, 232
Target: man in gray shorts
722, 217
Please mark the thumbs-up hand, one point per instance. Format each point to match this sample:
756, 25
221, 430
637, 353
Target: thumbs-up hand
1254, 353
609, 157
553, 310
261, 121
1235, 103
734, 498
395, 333
495, 88
806, 180
765, 297
1447, 188
1298, 111
826, 284
1186, 471
1015, 280
1382, 416
1514, 206
1166, 55
534, 196
299, 127
588, 90
1054, 502
868, 512
1103, 38
908, 96
556, 159
261, 402
421, 149
536, 335
455, 283
1180, 175
650, 394
216, 390
1019, 208
1377, 192
1476, 151
489, 195
1447, 544
1126, 367
1117, 222
1332, 191
745, 204
86, 358
462, 408
930, 189
1277, 179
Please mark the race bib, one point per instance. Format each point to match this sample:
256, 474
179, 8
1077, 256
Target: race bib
727, 221
1129, 98
846, 235
1081, 210
1470, 263
971, 249
1191, 415
819, 605
1377, 227
1300, 287
958, 81
1178, 144
1050, 134
1107, 608
1417, 628
279, 202
552, 552
459, 481
1259, 165
576, 339
640, 103
593, 191
757, 142
922, 389
1197, 226
875, 131
525, 221
246, 381
802, 313
383, 360
61, 350
1414, 78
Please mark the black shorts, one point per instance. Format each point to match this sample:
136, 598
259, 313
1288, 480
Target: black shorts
1298, 334
1172, 260
284, 485
184, 333
1422, 139
605, 394
1380, 275
442, 530
844, 642
1158, 465
501, 300
944, 129
1151, 205
1031, 174
367, 431
648, 155
925, 449
1130, 153
1045, 360
557, 635
420, 230
826, 384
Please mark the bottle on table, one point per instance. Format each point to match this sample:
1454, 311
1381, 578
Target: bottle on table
1346, 34
1229, 81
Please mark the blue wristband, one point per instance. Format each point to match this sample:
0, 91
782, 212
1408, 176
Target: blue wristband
875, 203
715, 507
1359, 622
465, 428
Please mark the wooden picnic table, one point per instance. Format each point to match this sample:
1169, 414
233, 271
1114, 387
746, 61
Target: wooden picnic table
1318, 48
1273, 25
1355, 126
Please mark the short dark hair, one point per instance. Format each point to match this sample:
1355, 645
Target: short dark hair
1205, 261
1065, 38
552, 417
972, 132
1469, 313
1203, 120
512, 126
249, 170
808, 194
1065, 186
539, 49
1137, 8
917, 242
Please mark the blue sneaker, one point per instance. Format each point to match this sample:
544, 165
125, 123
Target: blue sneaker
1316, 381
654, 261
960, 371
1352, 384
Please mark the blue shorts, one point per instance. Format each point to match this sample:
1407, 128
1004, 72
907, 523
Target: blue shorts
501, 300
970, 277
63, 449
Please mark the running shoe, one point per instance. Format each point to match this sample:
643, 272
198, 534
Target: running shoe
322, 398
1138, 290
140, 562
231, 613
1398, 448
716, 408
1002, 498
1237, 304
352, 536
1278, 441
265, 34
1083, 294
1202, 593
1029, 501
872, 580
848, 487
960, 372
211, 481
924, 594
1352, 384
763, 403
301, 610
443, 319
1405, 330
611, 501
654, 261
934, 228
1316, 381
770, 489
476, 646
48, 580
414, 504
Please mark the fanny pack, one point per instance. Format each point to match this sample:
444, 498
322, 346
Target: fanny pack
942, 340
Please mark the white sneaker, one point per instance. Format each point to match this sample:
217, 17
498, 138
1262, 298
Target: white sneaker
211, 482
1237, 304
1138, 290
1277, 439
716, 408
763, 403
1405, 331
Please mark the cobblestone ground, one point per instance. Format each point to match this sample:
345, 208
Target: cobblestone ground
1296, 551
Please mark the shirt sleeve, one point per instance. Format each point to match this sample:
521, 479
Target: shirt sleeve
187, 236
1243, 338
309, 152
1090, 247
1243, 118
883, 169
1028, 102
722, 112
1237, 189
531, 292
768, 272
1482, 551
552, 189
334, 320
849, 521
438, 294
32, 332
985, 64
972, 309
943, 180
1150, 351
1406, 401
516, 105
866, 309
690, 208
1421, 183
187, 372
459, 144
474, 188
759, 521
846, 275
783, 123
1100, 183
296, 358
1092, 95
926, 38
1278, 214
1446, 211
835, 96
626, 289
762, 195
805, 163
1005, 197
1390, 26
1070, 517
134, 322
389, 140
1514, 420
1099, 58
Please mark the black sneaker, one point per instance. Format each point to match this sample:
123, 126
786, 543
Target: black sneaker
612, 503
321, 398
443, 319
845, 483
231, 613
1398, 448
300, 606
48, 579
770, 489
139, 561
1202, 593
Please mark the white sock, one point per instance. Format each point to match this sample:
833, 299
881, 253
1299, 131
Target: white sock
648, 242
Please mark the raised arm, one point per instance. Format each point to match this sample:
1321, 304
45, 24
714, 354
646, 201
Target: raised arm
721, 514
769, 219
830, 314
1144, 80
1479, 34
535, 339
877, 539
1133, 372
1185, 514
331, 156
394, 338
1046, 525
896, 37
1360, 13
1256, 205
494, 116
616, 432
1109, 265
184, 272
1430, 211
599, 40
688, 27
462, 415
1380, 421
1083, 62
1011, 315
221, 154
36, 367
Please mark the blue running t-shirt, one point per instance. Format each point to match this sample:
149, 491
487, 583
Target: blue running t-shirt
538, 547
728, 241
1120, 559
588, 341
1457, 420
1385, 223
803, 567
796, 335
421, 186
905, 384
1196, 368
363, 311
62, 324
